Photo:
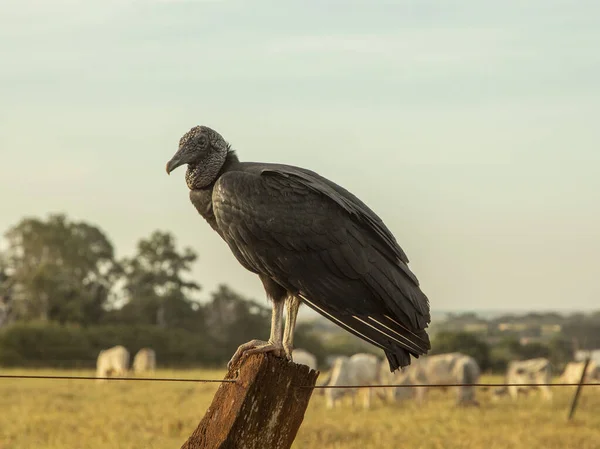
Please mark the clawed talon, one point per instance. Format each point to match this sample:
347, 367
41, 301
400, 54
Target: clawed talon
281, 342
267, 347
256, 347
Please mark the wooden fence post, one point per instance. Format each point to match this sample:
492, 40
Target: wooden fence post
578, 391
262, 410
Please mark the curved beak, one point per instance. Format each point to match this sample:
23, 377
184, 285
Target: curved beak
175, 162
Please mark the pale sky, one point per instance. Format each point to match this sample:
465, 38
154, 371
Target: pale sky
472, 128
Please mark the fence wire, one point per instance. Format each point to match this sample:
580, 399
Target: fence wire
455, 385
154, 379
176, 379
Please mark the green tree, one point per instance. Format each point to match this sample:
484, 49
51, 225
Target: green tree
155, 289
585, 330
504, 351
230, 319
6, 294
306, 338
533, 350
464, 342
60, 270
510, 348
561, 351
511, 345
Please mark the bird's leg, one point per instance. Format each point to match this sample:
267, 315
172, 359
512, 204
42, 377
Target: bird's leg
292, 306
275, 340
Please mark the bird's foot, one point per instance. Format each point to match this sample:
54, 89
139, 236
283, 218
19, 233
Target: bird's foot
256, 347
288, 349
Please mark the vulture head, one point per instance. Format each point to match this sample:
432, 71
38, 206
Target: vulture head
205, 152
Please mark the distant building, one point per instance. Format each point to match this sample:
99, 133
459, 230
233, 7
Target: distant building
515, 327
476, 327
550, 329
529, 340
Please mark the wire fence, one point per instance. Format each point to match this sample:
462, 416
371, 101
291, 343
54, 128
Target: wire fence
454, 385
175, 379
146, 379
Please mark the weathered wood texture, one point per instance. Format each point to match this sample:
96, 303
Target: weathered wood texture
262, 410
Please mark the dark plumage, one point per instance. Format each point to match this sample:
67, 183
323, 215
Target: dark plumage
310, 241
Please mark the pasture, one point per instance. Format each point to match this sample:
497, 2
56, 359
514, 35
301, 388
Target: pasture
59, 414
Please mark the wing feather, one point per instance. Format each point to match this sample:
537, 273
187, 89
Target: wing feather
344, 199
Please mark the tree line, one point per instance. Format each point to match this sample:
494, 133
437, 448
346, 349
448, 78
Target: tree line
495, 357
65, 271
64, 296
496, 341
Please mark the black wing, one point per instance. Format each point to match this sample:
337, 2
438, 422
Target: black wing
319, 241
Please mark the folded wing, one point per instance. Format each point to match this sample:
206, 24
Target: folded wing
320, 242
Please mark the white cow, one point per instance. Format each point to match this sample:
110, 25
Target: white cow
304, 358
450, 368
360, 369
572, 373
532, 371
112, 362
144, 360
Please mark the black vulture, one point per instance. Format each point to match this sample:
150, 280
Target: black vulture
310, 241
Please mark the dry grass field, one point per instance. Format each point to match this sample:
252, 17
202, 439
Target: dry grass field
65, 414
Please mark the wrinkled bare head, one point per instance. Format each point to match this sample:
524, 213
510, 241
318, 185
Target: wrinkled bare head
205, 151
197, 145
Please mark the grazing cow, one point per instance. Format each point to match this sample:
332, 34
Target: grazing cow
360, 369
532, 371
304, 358
450, 368
112, 362
144, 361
572, 373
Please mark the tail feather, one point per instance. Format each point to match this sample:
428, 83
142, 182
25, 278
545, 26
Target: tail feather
397, 340
400, 294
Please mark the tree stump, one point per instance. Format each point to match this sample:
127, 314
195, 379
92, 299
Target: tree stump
262, 410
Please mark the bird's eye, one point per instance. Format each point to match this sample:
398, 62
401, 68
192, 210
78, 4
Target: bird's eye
202, 140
